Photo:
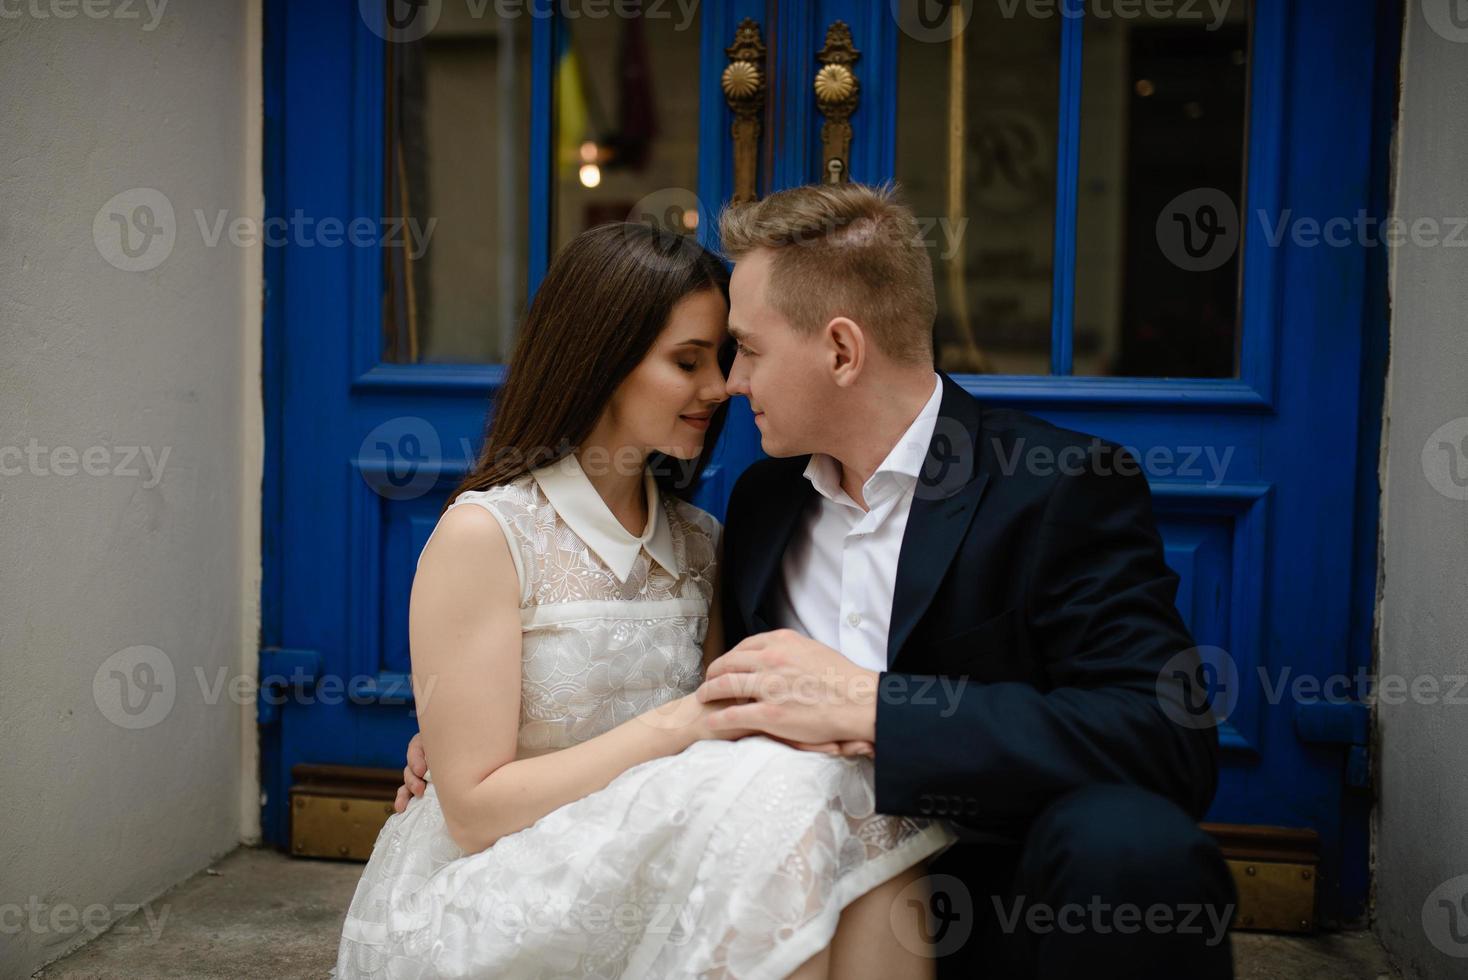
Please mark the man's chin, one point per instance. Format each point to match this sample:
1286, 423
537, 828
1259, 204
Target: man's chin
772, 448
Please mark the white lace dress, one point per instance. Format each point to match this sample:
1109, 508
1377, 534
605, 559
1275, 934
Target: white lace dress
732, 859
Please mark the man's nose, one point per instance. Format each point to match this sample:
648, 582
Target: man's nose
735, 385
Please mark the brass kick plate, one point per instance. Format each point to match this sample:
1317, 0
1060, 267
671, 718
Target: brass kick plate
336, 826
1274, 897
1275, 870
338, 811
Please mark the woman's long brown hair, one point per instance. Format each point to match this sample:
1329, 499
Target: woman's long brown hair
604, 300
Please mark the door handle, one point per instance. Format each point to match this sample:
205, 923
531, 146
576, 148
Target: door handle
743, 83
837, 94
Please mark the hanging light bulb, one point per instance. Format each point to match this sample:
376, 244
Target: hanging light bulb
590, 175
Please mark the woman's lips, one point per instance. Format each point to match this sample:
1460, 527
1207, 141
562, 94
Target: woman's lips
697, 422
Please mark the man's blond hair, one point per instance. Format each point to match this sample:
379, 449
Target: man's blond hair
843, 250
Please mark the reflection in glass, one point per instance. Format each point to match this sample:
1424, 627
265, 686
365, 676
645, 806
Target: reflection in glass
626, 96
457, 121
977, 124
1163, 122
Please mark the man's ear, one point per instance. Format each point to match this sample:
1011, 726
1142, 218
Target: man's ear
847, 350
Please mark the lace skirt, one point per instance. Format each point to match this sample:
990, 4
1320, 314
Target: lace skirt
730, 860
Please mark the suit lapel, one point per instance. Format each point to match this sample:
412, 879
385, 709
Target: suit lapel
947, 495
769, 538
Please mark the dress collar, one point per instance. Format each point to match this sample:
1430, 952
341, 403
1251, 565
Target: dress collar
904, 460
575, 499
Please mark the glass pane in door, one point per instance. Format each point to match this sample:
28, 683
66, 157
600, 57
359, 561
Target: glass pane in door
457, 124
977, 128
626, 131
1164, 109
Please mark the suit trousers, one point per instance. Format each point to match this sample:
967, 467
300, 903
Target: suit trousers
1108, 881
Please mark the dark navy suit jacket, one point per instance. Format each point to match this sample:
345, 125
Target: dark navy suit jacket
1031, 581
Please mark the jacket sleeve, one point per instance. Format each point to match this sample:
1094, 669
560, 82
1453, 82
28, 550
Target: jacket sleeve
1099, 607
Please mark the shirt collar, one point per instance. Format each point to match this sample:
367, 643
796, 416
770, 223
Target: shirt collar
575, 499
905, 459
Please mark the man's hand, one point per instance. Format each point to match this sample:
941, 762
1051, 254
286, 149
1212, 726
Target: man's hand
798, 691
413, 773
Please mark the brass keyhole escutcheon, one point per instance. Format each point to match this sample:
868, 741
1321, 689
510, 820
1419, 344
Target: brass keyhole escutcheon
837, 95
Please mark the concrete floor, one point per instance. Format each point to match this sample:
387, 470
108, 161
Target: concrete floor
258, 913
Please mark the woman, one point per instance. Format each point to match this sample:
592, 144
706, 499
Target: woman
581, 818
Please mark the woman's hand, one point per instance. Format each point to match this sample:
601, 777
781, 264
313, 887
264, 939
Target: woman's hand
413, 773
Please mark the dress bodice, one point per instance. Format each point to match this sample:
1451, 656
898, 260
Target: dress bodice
612, 624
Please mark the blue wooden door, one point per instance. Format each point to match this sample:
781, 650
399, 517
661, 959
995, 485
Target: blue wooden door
1119, 210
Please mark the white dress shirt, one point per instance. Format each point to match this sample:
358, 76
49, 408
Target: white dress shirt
839, 573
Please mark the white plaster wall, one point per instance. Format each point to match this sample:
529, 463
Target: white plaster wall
102, 550
1421, 833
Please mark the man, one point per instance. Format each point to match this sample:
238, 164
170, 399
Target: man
979, 594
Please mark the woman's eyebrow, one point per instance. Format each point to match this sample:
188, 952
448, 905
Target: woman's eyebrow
696, 343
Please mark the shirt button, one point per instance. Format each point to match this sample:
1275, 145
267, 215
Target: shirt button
854, 619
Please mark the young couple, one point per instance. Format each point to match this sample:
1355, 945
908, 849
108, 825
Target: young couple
903, 714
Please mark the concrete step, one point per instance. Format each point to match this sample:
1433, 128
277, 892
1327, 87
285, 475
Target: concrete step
258, 913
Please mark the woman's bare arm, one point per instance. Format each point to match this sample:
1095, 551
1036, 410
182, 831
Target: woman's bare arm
464, 631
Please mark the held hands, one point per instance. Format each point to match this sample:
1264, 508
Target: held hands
691, 718
794, 689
